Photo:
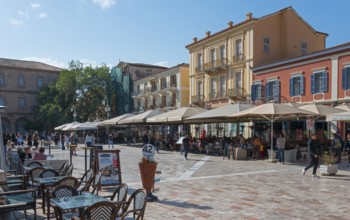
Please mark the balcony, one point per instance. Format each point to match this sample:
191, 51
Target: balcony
199, 70
217, 95
238, 94
238, 58
197, 99
215, 65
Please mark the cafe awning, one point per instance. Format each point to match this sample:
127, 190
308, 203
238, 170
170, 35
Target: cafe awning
140, 118
176, 116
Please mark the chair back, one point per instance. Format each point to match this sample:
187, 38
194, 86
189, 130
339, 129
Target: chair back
34, 164
94, 184
63, 169
61, 191
48, 173
138, 199
69, 171
120, 193
35, 172
69, 180
103, 210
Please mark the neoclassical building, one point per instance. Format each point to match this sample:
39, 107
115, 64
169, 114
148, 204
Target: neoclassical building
20, 83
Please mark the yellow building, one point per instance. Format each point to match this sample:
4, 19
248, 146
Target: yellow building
221, 63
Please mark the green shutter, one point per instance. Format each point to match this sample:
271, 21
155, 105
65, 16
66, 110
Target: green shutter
345, 85
267, 91
313, 86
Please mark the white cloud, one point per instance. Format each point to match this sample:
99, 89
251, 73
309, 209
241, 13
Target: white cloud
43, 15
104, 4
35, 5
47, 60
15, 22
162, 63
23, 13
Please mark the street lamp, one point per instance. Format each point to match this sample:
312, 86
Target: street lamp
107, 107
72, 109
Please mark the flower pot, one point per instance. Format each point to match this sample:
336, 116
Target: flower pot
290, 155
148, 172
331, 169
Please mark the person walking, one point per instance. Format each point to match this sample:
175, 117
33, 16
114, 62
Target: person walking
281, 145
314, 153
62, 140
336, 144
110, 140
186, 145
89, 139
347, 146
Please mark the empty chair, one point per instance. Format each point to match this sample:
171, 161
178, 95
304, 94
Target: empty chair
86, 178
104, 210
69, 180
34, 164
33, 175
48, 173
63, 169
69, 171
94, 184
137, 202
61, 191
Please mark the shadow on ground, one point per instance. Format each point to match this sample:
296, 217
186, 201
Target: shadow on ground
184, 204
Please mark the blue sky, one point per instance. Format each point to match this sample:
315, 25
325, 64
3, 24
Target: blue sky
143, 31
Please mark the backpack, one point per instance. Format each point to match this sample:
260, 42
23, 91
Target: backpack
337, 144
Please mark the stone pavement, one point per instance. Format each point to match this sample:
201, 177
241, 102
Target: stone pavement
208, 187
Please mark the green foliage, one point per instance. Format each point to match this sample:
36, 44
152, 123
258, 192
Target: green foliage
328, 158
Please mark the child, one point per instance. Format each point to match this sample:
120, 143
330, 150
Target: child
261, 150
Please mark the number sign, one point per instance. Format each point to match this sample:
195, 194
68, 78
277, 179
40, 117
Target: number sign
148, 151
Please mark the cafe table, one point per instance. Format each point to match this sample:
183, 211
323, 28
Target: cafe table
45, 182
76, 202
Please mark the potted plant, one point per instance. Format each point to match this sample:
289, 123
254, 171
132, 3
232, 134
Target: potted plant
329, 166
148, 167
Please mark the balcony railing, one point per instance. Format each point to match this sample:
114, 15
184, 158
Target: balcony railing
236, 92
238, 58
197, 98
215, 65
199, 69
217, 95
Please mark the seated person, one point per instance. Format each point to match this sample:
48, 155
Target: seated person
40, 155
26, 155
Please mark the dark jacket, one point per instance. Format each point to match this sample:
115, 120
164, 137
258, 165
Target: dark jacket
315, 148
23, 156
186, 143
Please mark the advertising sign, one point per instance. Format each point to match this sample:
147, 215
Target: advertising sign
108, 162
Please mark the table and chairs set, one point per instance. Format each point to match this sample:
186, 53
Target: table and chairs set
69, 197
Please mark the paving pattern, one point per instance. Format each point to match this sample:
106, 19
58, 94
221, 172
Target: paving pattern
208, 187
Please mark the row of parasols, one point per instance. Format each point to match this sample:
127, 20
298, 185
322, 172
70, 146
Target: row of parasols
228, 113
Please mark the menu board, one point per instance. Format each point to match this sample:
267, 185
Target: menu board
108, 162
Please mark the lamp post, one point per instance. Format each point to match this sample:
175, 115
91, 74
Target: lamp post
2, 152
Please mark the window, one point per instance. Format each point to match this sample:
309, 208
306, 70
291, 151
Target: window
2, 81
212, 56
238, 82
40, 82
21, 103
222, 86
21, 80
222, 52
319, 82
303, 48
346, 78
153, 86
266, 44
138, 89
2, 101
163, 83
213, 88
200, 88
256, 91
173, 80
200, 61
296, 85
238, 47
272, 90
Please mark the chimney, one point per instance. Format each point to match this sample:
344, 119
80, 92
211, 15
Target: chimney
230, 24
249, 16
207, 33
195, 40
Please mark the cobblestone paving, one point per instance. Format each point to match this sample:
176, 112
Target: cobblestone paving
208, 187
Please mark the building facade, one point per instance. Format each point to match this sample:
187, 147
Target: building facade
20, 84
221, 63
165, 91
124, 75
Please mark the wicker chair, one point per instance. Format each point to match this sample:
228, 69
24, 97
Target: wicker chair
48, 173
93, 185
138, 200
34, 164
104, 210
33, 174
70, 181
120, 193
63, 169
61, 191
86, 178
69, 170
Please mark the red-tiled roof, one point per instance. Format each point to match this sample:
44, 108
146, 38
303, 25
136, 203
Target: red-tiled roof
23, 64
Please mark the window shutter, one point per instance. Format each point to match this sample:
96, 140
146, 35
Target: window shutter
260, 87
267, 91
345, 79
324, 81
313, 84
276, 91
291, 87
301, 81
253, 92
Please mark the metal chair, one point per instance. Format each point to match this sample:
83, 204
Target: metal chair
69, 171
87, 176
94, 184
34, 164
33, 175
48, 173
103, 210
120, 193
70, 181
138, 200
58, 192
63, 169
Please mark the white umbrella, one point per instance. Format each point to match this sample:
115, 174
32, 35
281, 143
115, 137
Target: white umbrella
344, 107
82, 126
61, 127
69, 126
176, 116
140, 118
114, 121
342, 116
320, 110
271, 112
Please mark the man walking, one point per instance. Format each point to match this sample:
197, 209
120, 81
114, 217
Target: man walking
314, 154
186, 145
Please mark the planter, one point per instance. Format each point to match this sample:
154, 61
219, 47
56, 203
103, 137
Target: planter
147, 172
240, 154
290, 155
274, 155
329, 169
